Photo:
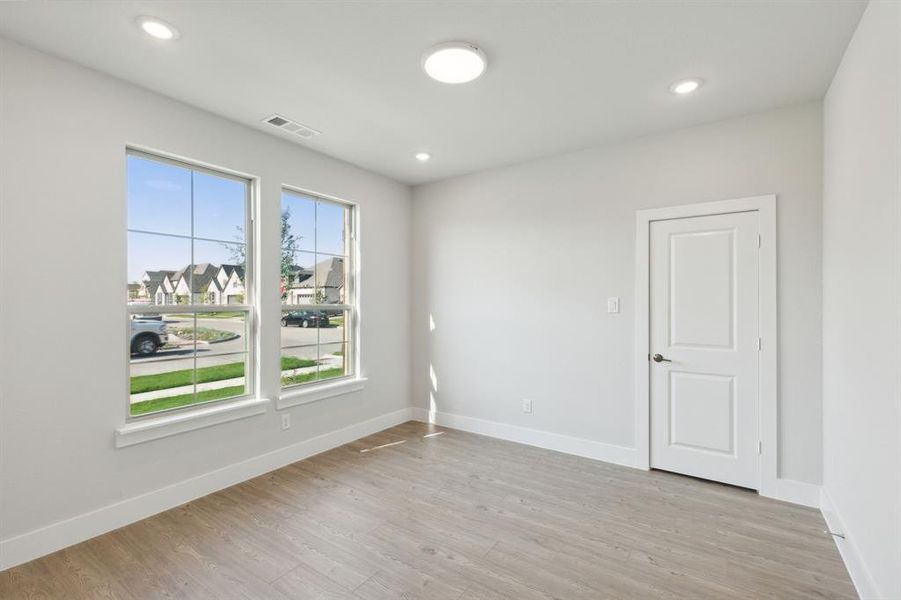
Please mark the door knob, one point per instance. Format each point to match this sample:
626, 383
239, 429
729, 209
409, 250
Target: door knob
659, 358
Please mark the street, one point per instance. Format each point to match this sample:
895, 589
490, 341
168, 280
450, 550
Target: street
331, 336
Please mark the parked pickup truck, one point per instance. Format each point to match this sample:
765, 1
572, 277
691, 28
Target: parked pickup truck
147, 336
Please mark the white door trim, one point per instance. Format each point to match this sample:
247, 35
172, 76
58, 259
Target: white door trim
769, 409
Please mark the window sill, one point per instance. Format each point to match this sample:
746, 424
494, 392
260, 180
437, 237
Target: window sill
307, 395
152, 428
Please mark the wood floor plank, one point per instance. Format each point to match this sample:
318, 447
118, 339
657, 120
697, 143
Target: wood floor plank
304, 583
419, 511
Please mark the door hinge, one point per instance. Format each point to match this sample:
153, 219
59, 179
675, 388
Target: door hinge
759, 344
759, 241
759, 447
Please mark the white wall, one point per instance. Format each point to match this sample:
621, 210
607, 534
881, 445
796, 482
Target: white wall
63, 132
862, 302
514, 266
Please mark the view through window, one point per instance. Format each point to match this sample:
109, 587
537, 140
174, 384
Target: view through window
189, 290
318, 298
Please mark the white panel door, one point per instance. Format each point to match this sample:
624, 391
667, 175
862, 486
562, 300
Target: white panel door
704, 347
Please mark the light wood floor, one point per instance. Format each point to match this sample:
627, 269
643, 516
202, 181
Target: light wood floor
452, 516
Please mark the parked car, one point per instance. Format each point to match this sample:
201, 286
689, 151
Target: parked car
147, 336
305, 318
150, 317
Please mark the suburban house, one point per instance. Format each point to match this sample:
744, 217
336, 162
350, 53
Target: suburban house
156, 287
204, 283
324, 285
224, 284
229, 285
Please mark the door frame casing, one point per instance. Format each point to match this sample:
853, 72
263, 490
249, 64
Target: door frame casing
768, 418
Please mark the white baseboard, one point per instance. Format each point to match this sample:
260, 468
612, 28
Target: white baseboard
860, 575
611, 453
787, 490
37, 543
790, 490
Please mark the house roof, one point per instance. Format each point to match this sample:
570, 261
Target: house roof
198, 277
229, 269
299, 274
159, 274
329, 273
155, 279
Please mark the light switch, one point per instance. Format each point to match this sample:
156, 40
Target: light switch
612, 305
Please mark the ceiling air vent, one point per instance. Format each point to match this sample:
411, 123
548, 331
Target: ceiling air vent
292, 127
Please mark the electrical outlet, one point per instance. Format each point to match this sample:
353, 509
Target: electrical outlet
527, 406
286, 421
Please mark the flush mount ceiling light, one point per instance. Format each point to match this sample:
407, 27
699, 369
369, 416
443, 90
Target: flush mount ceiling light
157, 28
454, 62
423, 156
686, 86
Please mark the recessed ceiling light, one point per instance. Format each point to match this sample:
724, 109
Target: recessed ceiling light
156, 28
686, 86
454, 62
423, 156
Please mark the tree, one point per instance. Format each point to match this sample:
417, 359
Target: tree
289, 249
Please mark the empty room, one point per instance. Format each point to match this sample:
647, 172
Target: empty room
450, 300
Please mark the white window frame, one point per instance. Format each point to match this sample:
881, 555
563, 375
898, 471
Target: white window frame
248, 308
303, 393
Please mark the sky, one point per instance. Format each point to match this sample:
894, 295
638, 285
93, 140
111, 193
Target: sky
163, 196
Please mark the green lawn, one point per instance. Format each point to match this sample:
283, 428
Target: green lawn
292, 362
148, 406
314, 376
163, 381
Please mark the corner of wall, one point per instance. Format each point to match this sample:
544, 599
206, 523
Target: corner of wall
847, 548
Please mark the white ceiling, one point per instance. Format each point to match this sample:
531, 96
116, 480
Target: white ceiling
561, 75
